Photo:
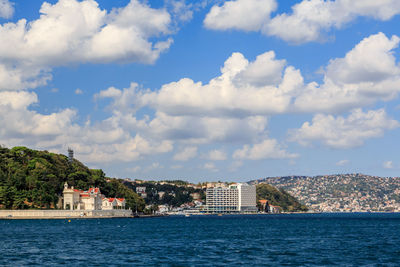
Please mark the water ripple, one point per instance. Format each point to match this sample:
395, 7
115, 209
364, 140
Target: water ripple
284, 240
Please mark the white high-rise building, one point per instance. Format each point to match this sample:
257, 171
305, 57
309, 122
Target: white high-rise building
247, 198
237, 198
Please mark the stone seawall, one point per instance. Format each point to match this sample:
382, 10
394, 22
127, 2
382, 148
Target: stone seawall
63, 214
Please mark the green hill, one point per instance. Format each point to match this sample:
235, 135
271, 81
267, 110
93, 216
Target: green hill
280, 198
31, 179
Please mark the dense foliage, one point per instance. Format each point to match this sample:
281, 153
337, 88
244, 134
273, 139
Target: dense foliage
279, 198
35, 179
175, 193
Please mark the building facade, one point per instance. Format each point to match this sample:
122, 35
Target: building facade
92, 199
113, 203
236, 198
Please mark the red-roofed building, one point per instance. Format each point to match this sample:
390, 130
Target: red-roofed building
113, 203
92, 199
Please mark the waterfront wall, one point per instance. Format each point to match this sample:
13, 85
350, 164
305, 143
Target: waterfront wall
63, 214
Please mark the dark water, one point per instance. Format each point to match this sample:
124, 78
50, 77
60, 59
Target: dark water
259, 240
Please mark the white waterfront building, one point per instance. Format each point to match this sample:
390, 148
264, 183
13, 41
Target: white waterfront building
235, 198
92, 199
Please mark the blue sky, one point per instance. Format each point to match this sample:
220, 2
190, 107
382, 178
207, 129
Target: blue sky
204, 90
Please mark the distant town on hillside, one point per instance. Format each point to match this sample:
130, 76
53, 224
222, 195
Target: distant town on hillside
341, 192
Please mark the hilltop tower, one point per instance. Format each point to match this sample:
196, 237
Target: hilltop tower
70, 155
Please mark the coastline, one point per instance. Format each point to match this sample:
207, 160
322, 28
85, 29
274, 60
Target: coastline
64, 214
109, 214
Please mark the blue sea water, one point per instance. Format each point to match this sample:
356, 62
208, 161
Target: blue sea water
257, 240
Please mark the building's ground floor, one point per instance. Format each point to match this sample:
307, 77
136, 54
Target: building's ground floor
230, 209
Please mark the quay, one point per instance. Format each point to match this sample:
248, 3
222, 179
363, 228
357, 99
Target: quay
64, 214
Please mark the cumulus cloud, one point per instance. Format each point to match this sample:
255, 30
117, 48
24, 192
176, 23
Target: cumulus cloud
127, 100
6, 9
262, 87
248, 15
190, 129
267, 149
367, 73
181, 10
78, 91
210, 166
235, 165
186, 153
388, 164
341, 132
216, 155
154, 166
309, 20
20, 124
70, 31
103, 141
232, 108
342, 162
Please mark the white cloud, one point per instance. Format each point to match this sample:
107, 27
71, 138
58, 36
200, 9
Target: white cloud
126, 100
78, 91
79, 32
18, 123
309, 20
153, 166
248, 15
268, 149
261, 87
6, 9
235, 165
182, 11
191, 129
186, 154
216, 155
371, 60
388, 164
22, 76
104, 141
368, 73
343, 132
232, 108
200, 130
342, 162
210, 166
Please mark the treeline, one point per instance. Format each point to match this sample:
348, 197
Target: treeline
280, 198
174, 194
31, 179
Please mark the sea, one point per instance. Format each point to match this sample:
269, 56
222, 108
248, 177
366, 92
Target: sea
334, 239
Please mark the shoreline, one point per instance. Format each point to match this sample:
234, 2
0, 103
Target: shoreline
113, 214
64, 214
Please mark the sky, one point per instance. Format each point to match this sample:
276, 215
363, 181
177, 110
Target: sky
204, 90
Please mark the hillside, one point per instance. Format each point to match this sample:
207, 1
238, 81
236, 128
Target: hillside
280, 198
342, 192
173, 193
35, 179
